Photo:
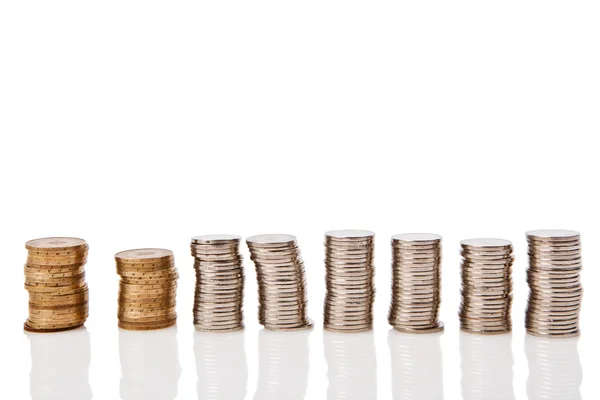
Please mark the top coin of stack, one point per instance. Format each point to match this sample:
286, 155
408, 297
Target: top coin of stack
281, 282
147, 289
349, 279
416, 283
554, 280
55, 279
218, 303
486, 286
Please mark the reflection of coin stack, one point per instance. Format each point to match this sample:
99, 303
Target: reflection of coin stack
352, 366
349, 277
283, 365
554, 368
281, 282
147, 289
487, 367
150, 366
486, 286
416, 283
221, 366
60, 366
55, 280
219, 283
417, 371
554, 280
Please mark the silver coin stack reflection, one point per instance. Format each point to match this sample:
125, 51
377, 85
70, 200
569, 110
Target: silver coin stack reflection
554, 281
281, 282
486, 286
349, 279
218, 302
416, 283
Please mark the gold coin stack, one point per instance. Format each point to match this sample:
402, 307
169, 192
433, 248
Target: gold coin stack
486, 286
55, 280
147, 289
554, 281
281, 282
416, 283
218, 302
349, 279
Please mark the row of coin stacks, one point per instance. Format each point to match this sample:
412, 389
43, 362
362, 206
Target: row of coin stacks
58, 292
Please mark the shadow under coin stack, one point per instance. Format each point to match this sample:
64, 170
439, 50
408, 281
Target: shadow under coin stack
554, 280
147, 289
281, 282
55, 280
486, 286
349, 279
219, 294
416, 283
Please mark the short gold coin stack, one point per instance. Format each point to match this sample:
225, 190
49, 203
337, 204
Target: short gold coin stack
486, 286
416, 283
55, 280
147, 289
349, 278
554, 280
219, 298
281, 282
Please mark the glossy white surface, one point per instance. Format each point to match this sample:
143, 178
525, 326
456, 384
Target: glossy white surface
140, 123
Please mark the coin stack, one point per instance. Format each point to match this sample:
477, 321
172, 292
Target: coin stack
55, 280
219, 294
554, 280
349, 279
281, 282
147, 289
486, 286
416, 283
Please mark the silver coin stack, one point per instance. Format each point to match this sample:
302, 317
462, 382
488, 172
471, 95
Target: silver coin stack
218, 302
486, 286
554, 281
281, 282
416, 283
349, 279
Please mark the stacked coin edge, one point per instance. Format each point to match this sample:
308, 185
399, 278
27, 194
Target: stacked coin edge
147, 289
554, 278
281, 282
219, 295
486, 275
55, 280
349, 278
416, 283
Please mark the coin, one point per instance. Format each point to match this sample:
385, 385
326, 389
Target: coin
281, 282
55, 279
218, 301
147, 289
553, 276
486, 276
349, 273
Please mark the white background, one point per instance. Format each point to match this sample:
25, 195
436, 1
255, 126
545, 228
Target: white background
143, 123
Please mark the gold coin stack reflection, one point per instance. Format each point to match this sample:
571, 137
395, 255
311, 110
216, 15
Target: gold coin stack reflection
349, 279
55, 280
281, 282
147, 289
554, 281
219, 294
416, 283
486, 286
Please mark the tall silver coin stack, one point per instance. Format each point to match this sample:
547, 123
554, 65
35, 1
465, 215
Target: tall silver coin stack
349, 279
219, 298
416, 259
554, 280
281, 282
486, 286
